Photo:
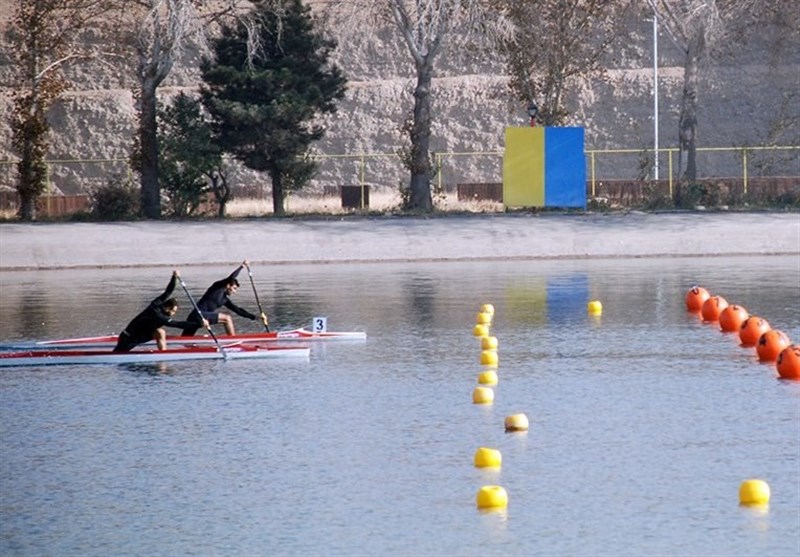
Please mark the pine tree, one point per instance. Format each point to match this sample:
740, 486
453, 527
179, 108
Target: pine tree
189, 157
263, 95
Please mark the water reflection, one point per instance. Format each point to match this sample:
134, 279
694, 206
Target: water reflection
422, 298
154, 368
643, 422
32, 315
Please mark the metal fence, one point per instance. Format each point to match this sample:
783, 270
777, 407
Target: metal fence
767, 161
72, 176
386, 170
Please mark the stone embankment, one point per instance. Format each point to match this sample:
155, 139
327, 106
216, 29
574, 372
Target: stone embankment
396, 239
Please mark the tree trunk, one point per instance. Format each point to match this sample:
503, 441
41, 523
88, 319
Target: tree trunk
688, 117
420, 185
30, 139
27, 208
29, 184
277, 193
148, 143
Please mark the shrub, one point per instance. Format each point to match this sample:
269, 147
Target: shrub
117, 200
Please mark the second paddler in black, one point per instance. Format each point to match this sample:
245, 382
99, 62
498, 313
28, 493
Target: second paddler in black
217, 296
150, 323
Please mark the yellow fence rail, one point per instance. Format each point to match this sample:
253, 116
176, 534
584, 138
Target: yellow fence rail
7, 168
741, 152
489, 164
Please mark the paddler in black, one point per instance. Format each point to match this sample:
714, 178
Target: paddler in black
150, 323
217, 296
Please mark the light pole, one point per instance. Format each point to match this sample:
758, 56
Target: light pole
655, 94
532, 111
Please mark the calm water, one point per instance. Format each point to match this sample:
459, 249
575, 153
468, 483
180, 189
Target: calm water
644, 422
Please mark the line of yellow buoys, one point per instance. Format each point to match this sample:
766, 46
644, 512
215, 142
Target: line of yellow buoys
495, 497
491, 497
771, 345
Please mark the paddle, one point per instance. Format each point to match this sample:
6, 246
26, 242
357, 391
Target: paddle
200, 315
255, 292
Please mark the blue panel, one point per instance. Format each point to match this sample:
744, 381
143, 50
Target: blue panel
564, 168
567, 296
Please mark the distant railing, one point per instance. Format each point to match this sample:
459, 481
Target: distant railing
451, 168
741, 152
442, 159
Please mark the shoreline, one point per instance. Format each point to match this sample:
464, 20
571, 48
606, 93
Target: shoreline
392, 239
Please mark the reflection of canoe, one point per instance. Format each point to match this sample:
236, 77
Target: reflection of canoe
70, 357
111, 340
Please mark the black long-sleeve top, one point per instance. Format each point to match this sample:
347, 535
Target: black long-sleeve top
142, 327
216, 297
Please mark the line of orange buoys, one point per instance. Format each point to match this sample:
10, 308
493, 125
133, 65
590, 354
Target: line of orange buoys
771, 345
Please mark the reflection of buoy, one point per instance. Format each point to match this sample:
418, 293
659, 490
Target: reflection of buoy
492, 497
516, 422
595, 307
695, 298
488, 377
751, 330
732, 317
483, 395
480, 330
770, 345
713, 307
754, 492
488, 458
489, 343
483, 318
788, 362
487, 308
489, 357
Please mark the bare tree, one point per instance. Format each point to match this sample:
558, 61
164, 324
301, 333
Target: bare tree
556, 43
779, 24
161, 31
425, 26
44, 36
699, 28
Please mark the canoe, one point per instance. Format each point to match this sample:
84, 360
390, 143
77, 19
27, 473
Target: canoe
184, 353
109, 341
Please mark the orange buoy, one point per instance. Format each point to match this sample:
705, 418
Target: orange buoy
713, 307
695, 298
788, 362
751, 330
770, 344
732, 317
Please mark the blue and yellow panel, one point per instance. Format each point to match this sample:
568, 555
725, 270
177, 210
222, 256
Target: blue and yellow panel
544, 167
559, 299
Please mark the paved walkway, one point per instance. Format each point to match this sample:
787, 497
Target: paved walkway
395, 239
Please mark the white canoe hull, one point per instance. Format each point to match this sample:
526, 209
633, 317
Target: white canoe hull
83, 357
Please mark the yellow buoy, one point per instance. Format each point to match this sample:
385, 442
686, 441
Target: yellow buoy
480, 330
488, 377
489, 343
754, 492
492, 497
487, 308
488, 458
483, 318
489, 357
595, 307
516, 422
483, 395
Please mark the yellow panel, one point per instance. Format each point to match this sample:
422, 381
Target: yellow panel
526, 304
523, 167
